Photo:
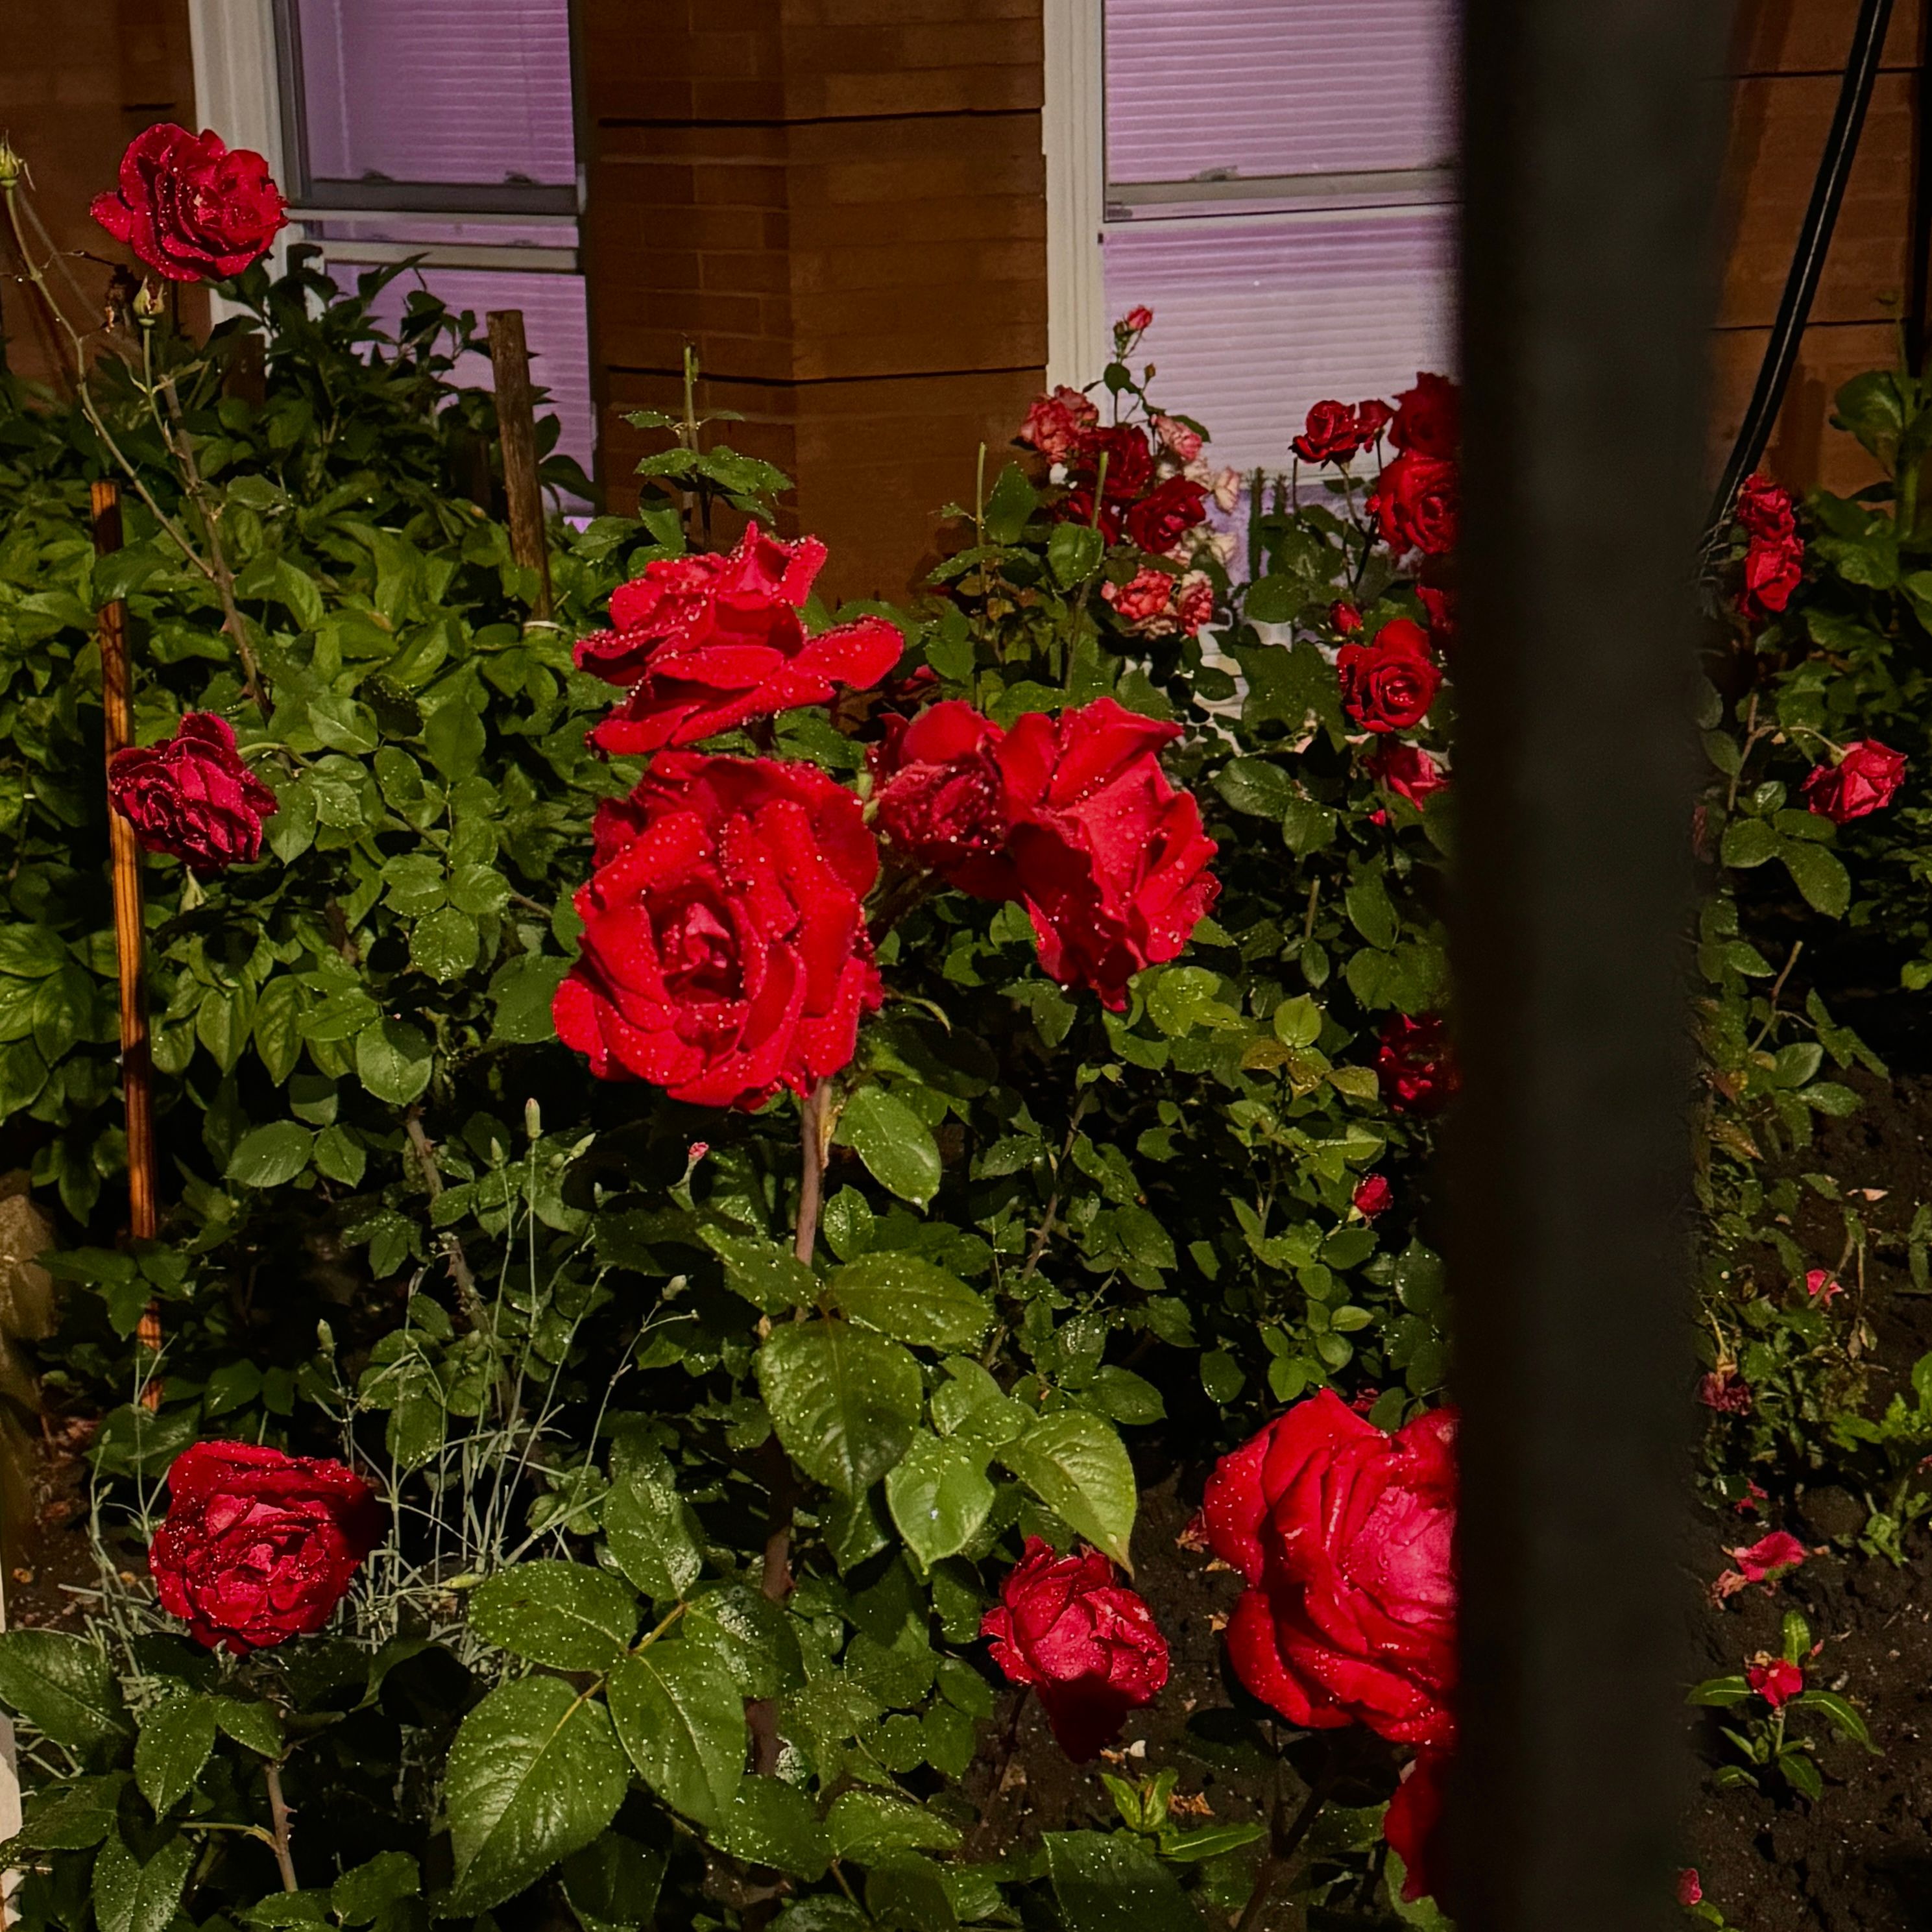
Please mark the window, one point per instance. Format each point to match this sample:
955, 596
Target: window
445, 131
1276, 180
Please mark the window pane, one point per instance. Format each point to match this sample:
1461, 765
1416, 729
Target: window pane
431, 91
1254, 319
1278, 87
554, 325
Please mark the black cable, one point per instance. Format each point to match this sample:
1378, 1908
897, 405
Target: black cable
1807, 262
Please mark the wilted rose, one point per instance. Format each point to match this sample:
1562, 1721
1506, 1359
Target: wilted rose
1865, 779
191, 795
1774, 1678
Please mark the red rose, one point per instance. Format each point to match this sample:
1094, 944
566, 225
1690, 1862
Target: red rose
1866, 779
1690, 1887
1058, 425
1415, 1065
1428, 418
1371, 417
1415, 501
1414, 1824
1345, 1535
1346, 619
1130, 460
937, 786
1161, 517
1439, 606
1773, 569
708, 643
1110, 860
1389, 683
1333, 434
725, 953
1407, 770
192, 797
193, 209
257, 1547
1774, 1679
1373, 1196
1767, 510
1089, 1646
1728, 1393
1138, 320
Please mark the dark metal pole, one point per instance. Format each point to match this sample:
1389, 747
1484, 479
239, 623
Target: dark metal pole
1807, 259
1589, 278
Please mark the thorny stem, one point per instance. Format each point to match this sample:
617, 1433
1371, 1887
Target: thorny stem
278, 1810
182, 445
814, 1132
1777, 987
1282, 1846
1044, 1232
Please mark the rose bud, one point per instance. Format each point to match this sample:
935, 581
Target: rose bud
1690, 1887
193, 209
1089, 1646
258, 1546
192, 797
1866, 779
1373, 1196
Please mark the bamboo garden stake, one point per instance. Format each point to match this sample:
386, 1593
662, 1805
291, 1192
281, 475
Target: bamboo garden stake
136, 1071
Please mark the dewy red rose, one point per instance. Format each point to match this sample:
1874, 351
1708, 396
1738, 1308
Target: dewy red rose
1389, 683
1415, 504
1087, 1645
1428, 418
1332, 434
937, 787
1408, 771
1866, 779
709, 643
1373, 1196
1345, 1535
1110, 859
725, 952
258, 1546
191, 208
191, 795
1165, 515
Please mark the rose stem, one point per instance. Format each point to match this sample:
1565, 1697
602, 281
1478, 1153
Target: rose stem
117, 709
759, 1712
1283, 1845
278, 1810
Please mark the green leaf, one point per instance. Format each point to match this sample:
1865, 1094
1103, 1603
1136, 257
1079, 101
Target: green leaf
252, 1724
1844, 1718
444, 945
649, 1530
910, 1299
340, 1156
896, 1145
843, 1401
769, 1823
615, 1882
863, 1824
62, 1685
277, 1028
1747, 842
939, 1496
524, 990
455, 738
393, 1060
1074, 552
175, 1739
360, 1895
1255, 787
536, 1774
1366, 900
131, 1896
681, 1715
1075, 1464
269, 1156
770, 1277
74, 1814
1819, 874
1013, 501
1274, 600
565, 1615
1106, 1882
297, 589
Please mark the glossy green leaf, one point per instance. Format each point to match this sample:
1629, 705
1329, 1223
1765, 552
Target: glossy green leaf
939, 1496
567, 1615
769, 1823
63, 1685
1076, 1465
842, 1399
1108, 1882
176, 1736
681, 1716
131, 1895
910, 1299
393, 1060
268, 1156
896, 1145
650, 1531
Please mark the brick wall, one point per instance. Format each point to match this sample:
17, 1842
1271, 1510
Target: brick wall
78, 81
1789, 56
842, 203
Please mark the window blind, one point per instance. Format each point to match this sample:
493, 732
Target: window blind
436, 91
1277, 87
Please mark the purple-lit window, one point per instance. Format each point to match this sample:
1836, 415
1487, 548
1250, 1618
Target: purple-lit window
444, 134
1280, 191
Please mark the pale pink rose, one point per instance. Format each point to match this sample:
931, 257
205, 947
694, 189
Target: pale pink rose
1226, 490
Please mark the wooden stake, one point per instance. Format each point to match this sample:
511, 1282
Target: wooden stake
517, 431
136, 1068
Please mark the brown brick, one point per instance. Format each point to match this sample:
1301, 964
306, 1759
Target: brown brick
1804, 450
1815, 36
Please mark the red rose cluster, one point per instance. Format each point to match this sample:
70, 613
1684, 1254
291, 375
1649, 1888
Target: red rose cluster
191, 796
1072, 817
1415, 1064
190, 207
258, 1546
1774, 564
725, 951
1345, 1535
1416, 500
1088, 1645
